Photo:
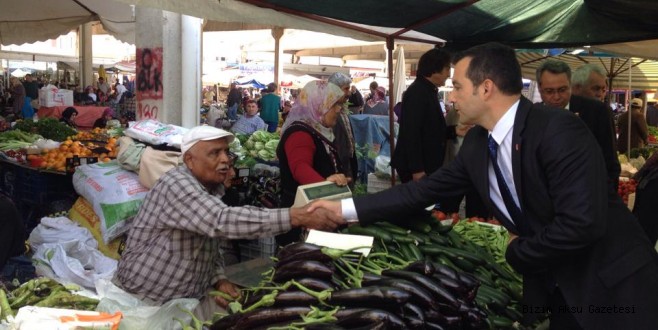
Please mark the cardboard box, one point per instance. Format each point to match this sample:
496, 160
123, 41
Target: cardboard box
55, 97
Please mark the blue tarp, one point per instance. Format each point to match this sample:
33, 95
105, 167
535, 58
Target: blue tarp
371, 139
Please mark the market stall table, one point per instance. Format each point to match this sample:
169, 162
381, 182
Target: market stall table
86, 117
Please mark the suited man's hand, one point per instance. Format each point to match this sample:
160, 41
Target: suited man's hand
315, 218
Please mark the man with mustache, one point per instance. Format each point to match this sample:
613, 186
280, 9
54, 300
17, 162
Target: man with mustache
173, 251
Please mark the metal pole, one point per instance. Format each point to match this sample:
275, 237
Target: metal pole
628, 109
391, 126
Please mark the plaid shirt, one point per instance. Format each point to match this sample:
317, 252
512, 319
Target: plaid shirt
173, 248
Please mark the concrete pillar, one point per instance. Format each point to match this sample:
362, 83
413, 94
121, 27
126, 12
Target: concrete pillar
85, 55
277, 33
168, 82
191, 69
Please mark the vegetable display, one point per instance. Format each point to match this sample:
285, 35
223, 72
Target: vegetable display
49, 128
43, 292
421, 276
262, 145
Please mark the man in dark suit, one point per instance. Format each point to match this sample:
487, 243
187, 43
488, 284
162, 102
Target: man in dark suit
554, 80
423, 131
423, 137
581, 253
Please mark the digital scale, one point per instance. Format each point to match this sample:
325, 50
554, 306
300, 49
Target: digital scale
321, 190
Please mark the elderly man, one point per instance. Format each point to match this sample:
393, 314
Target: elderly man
554, 79
589, 81
172, 250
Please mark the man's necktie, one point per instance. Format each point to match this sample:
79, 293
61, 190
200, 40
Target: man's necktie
513, 210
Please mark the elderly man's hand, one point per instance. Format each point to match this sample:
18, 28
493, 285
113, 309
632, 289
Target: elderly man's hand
228, 288
316, 218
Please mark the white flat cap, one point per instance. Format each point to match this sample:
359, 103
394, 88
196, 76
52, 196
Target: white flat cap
203, 133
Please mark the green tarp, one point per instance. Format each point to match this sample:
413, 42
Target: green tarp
518, 23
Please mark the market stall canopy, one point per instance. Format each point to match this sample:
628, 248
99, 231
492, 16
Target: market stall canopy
519, 23
28, 21
643, 73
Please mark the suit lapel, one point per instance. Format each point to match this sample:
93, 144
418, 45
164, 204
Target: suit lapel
517, 145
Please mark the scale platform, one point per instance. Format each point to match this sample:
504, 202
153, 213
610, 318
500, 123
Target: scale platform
321, 190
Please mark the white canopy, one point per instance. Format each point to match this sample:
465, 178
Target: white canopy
27, 21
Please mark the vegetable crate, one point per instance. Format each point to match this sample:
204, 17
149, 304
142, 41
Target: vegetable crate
34, 192
257, 248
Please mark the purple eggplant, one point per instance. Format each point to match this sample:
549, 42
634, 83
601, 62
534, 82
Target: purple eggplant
294, 298
315, 284
419, 295
300, 269
439, 292
266, 316
375, 296
421, 267
371, 317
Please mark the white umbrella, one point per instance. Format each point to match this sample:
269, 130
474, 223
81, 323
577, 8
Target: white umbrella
399, 77
18, 73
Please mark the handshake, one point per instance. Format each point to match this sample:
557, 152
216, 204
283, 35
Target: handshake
320, 215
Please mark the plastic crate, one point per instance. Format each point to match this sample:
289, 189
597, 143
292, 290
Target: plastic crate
257, 248
35, 193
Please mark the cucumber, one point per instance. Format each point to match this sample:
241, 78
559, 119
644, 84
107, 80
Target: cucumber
406, 252
403, 239
501, 322
418, 255
371, 231
446, 262
421, 238
438, 238
501, 298
392, 228
452, 253
464, 264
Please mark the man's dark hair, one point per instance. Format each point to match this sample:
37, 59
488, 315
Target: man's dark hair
271, 87
434, 60
554, 67
496, 62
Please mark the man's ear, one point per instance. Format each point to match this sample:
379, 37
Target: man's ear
487, 87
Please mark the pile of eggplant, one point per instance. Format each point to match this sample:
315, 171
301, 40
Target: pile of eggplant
313, 287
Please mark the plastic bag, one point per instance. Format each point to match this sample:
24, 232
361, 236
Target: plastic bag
74, 262
130, 153
156, 133
57, 230
140, 315
38, 318
114, 193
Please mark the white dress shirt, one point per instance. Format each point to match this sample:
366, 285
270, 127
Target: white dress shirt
502, 133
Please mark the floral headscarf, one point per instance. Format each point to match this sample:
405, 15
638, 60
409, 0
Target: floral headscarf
378, 97
315, 99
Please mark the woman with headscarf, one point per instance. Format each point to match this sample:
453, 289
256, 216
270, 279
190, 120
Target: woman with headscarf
105, 117
377, 104
68, 117
306, 150
343, 135
646, 197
